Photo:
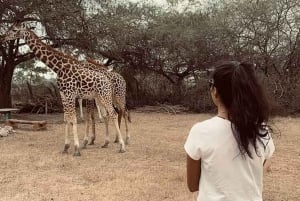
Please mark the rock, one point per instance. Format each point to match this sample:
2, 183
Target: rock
9, 129
6, 130
3, 132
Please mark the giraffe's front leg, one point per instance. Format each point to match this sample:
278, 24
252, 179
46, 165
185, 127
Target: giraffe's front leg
89, 119
70, 118
93, 137
67, 120
90, 111
87, 128
80, 108
67, 141
76, 140
106, 119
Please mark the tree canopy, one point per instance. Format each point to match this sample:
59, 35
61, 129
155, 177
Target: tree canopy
174, 44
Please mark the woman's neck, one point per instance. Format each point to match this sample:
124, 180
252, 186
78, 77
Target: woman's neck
222, 111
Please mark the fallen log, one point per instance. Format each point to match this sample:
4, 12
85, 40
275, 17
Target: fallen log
36, 125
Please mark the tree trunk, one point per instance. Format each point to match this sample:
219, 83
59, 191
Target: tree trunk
6, 74
30, 90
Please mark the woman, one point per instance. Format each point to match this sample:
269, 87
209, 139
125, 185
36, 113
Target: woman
226, 154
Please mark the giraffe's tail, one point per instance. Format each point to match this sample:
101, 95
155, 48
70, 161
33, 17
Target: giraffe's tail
126, 113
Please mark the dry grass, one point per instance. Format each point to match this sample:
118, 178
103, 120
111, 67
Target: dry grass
153, 168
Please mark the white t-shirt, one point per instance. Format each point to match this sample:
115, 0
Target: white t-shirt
225, 174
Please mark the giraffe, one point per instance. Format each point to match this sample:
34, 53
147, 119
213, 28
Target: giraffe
119, 100
73, 82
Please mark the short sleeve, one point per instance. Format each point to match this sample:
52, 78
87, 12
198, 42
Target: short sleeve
192, 145
270, 148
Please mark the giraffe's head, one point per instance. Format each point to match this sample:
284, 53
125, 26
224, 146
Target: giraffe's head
15, 32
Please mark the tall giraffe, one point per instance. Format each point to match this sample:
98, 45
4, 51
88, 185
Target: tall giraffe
119, 100
73, 82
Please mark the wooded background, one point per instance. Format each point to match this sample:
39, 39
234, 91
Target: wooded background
161, 52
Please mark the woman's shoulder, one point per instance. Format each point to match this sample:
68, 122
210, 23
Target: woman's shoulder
208, 124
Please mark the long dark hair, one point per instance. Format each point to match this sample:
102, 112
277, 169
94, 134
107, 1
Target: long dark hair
246, 102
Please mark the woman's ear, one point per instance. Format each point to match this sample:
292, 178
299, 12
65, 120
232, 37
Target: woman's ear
215, 92
214, 95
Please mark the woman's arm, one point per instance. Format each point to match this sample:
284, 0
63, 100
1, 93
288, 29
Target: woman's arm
193, 168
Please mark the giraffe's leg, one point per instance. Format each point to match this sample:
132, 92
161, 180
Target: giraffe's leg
113, 115
98, 105
126, 126
93, 137
108, 104
125, 114
67, 141
76, 140
87, 126
80, 107
68, 101
99, 112
122, 112
121, 142
71, 120
67, 120
119, 122
106, 120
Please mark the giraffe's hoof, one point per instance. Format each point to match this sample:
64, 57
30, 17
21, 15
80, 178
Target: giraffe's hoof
116, 140
66, 148
105, 145
122, 150
92, 142
77, 153
84, 144
65, 152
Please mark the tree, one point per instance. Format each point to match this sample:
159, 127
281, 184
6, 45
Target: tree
30, 71
267, 33
171, 44
48, 13
163, 45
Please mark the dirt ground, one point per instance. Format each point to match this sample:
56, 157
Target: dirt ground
153, 168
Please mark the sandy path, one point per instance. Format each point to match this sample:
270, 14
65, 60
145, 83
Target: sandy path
153, 168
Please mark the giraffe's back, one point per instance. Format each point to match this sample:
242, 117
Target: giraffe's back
86, 83
118, 82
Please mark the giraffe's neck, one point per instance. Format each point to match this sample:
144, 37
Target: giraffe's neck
45, 53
